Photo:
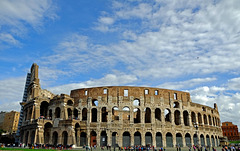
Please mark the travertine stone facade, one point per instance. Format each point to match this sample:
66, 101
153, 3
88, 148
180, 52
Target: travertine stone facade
10, 122
118, 116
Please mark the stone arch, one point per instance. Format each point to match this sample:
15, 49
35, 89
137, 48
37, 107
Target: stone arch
115, 113
195, 139
179, 140
213, 141
57, 112
186, 118
47, 130
200, 118
137, 115
93, 138
205, 119
158, 114
64, 138
55, 138
94, 102
208, 140
70, 103
104, 114
136, 102
176, 105
188, 140
159, 142
137, 138
147, 115
167, 115
210, 120
126, 113
44, 108
83, 138
169, 139
84, 114
75, 114
148, 139
177, 118
94, 115
202, 140
193, 116
50, 114
103, 139
69, 113
114, 137
126, 139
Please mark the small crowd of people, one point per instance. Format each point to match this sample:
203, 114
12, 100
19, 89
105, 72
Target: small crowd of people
46, 146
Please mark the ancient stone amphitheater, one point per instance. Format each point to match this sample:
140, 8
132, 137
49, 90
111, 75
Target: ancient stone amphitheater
117, 116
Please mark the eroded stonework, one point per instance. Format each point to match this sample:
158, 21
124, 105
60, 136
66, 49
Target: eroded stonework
117, 116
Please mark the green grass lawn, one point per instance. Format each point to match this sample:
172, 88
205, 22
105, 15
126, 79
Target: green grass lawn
234, 142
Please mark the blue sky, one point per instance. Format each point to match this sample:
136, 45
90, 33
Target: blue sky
183, 45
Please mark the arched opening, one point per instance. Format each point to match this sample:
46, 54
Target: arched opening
83, 139
75, 114
169, 140
70, 103
177, 117
202, 140
148, 139
77, 129
44, 109
47, 130
208, 140
167, 115
115, 113
94, 115
193, 116
188, 140
176, 105
94, 102
137, 115
217, 144
104, 114
84, 114
69, 113
32, 137
186, 118
26, 137
103, 141
158, 114
29, 116
213, 141
179, 140
159, 139
213, 121
126, 139
147, 115
57, 112
50, 114
55, 138
93, 138
200, 118
136, 102
210, 120
65, 138
126, 114
195, 139
205, 119
114, 142
137, 138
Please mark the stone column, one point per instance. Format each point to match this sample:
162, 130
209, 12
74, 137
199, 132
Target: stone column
162, 117
98, 137
109, 138
164, 140
132, 138
174, 140
154, 139
183, 140
190, 119
143, 139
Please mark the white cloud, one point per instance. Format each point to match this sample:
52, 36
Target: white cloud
17, 16
186, 84
11, 93
108, 80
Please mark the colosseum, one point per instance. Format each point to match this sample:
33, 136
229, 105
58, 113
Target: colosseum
116, 116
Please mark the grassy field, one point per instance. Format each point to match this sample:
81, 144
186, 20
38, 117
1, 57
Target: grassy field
234, 142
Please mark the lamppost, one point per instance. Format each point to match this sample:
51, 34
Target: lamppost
196, 127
